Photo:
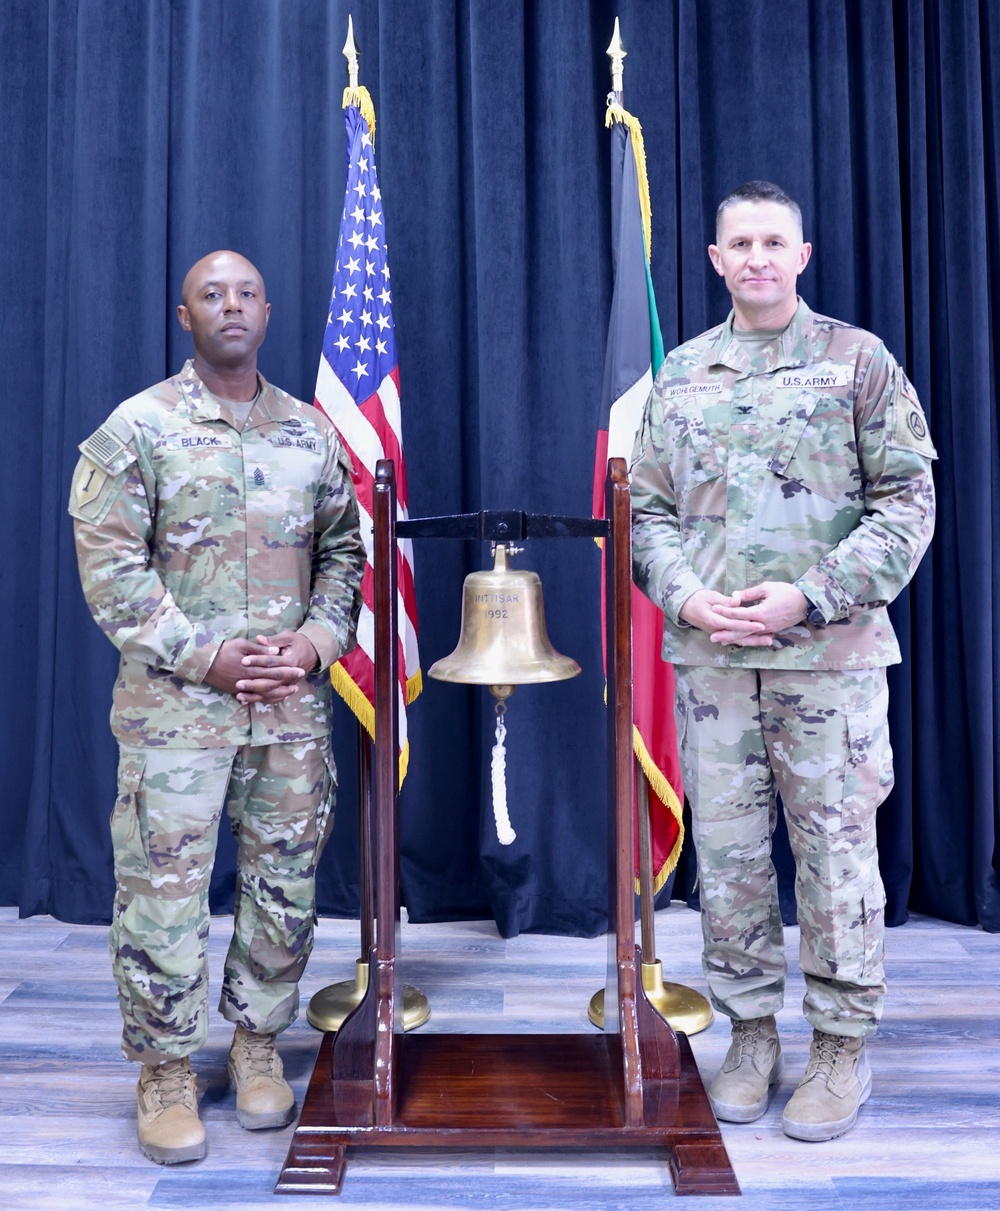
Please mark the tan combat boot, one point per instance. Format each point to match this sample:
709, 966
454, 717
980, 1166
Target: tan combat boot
837, 1083
740, 1092
263, 1096
167, 1100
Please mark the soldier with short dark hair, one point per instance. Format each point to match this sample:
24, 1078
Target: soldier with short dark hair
782, 497
217, 536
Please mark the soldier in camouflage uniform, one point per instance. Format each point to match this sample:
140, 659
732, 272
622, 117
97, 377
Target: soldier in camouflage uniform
217, 536
782, 496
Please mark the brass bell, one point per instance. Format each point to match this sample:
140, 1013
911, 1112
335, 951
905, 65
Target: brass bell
503, 641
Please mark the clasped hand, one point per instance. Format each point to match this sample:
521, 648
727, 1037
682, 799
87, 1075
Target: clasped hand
749, 618
266, 671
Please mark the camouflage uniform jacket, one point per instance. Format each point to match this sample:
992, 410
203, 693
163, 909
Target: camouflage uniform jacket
190, 532
809, 464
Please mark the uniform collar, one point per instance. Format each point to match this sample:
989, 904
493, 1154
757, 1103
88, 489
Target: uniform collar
793, 346
204, 406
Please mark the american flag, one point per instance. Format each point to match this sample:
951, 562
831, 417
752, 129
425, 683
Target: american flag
357, 386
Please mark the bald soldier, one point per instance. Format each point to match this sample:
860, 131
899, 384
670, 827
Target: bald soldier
217, 537
782, 496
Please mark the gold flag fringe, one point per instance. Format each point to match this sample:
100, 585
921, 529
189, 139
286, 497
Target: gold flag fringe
615, 113
362, 99
666, 794
414, 685
347, 688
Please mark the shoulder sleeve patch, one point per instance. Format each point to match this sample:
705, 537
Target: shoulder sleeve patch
102, 470
908, 429
94, 491
108, 447
88, 480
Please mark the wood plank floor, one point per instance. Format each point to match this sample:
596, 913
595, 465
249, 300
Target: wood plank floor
928, 1140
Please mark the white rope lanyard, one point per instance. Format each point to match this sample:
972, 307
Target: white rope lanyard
498, 768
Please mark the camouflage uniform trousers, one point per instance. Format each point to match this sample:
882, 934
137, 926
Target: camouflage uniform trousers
822, 741
164, 829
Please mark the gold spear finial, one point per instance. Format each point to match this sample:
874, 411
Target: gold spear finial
617, 53
350, 53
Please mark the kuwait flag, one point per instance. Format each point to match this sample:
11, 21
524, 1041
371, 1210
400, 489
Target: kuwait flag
634, 354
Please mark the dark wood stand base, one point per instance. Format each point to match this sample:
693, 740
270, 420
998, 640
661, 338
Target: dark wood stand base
505, 1091
635, 1084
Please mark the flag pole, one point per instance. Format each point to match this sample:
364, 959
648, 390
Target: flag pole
330, 1006
616, 52
350, 53
683, 1008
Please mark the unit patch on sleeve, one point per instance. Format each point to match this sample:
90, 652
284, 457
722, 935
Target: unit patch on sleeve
88, 481
909, 425
94, 490
102, 471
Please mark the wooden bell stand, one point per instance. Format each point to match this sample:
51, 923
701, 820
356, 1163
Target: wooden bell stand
635, 1083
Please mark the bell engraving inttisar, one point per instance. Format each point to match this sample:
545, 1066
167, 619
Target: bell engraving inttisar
503, 640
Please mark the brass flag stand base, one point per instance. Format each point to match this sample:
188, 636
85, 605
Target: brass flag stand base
329, 1007
683, 1008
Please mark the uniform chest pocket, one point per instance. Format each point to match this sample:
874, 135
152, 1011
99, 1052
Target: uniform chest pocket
697, 461
817, 448
198, 475
295, 468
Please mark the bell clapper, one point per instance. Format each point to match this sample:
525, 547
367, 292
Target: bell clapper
498, 767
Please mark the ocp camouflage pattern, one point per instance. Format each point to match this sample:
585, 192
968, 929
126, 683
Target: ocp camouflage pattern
823, 743
810, 464
192, 529
164, 827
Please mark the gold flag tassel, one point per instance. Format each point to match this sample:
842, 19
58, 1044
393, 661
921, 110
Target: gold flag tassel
617, 113
361, 97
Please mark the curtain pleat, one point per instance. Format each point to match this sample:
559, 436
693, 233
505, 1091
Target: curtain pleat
135, 138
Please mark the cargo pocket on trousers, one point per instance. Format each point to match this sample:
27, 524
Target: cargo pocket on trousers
327, 803
285, 907
129, 834
280, 955
857, 937
868, 776
873, 919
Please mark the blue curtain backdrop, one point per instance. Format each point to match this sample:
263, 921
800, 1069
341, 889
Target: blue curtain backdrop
135, 138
